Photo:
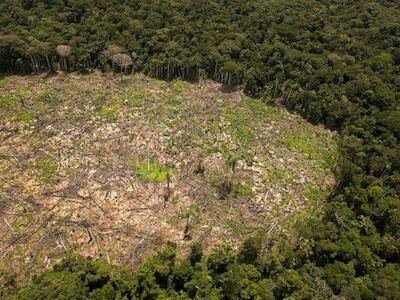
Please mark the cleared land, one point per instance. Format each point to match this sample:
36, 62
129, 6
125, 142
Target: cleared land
115, 166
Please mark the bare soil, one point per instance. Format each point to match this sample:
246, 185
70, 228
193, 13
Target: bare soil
113, 167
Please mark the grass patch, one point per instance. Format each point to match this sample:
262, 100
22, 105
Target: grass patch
74, 116
238, 228
260, 110
180, 86
314, 194
7, 101
24, 116
192, 211
242, 189
49, 97
108, 113
107, 107
151, 170
241, 125
316, 146
47, 168
136, 97
244, 134
22, 222
4, 81
281, 175
81, 144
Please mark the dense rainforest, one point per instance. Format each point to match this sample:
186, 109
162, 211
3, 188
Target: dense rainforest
335, 62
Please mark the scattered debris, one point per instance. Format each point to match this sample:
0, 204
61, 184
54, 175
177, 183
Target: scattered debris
115, 167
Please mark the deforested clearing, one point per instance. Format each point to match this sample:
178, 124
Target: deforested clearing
115, 166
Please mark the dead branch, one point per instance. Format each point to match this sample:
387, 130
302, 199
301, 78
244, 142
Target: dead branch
8, 224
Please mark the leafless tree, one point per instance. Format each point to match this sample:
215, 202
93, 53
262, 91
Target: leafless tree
121, 60
111, 50
64, 52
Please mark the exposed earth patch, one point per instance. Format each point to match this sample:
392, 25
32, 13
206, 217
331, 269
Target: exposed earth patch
114, 167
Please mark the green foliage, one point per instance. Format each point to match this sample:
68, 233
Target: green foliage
242, 189
239, 120
250, 250
151, 170
109, 113
80, 278
314, 146
24, 116
196, 254
6, 101
383, 60
201, 285
4, 81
